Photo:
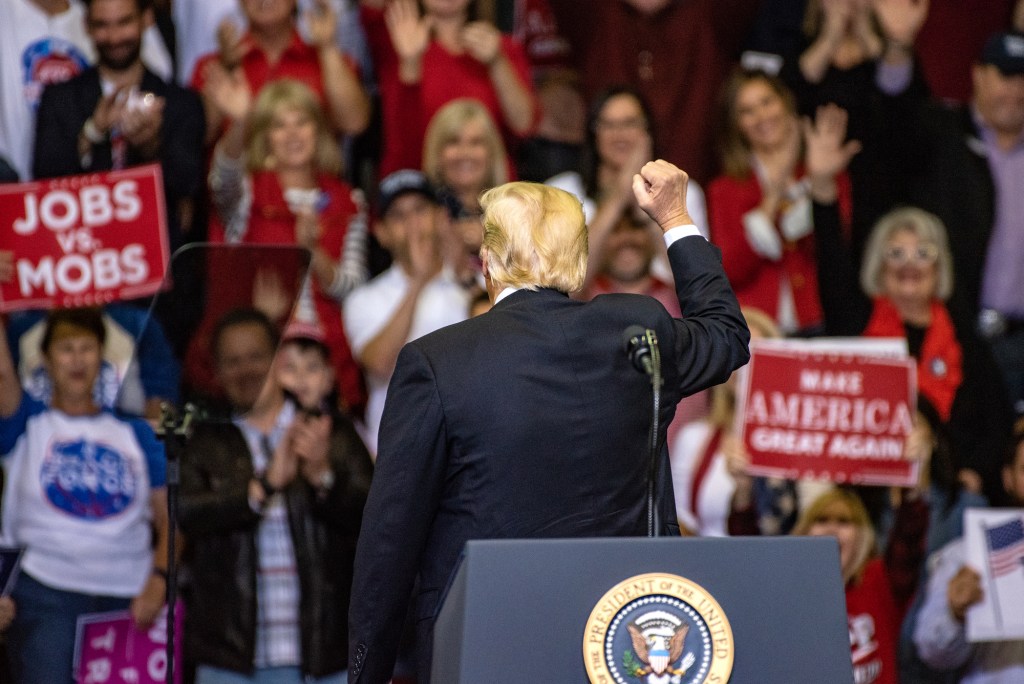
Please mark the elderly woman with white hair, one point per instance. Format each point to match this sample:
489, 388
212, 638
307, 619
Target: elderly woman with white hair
906, 283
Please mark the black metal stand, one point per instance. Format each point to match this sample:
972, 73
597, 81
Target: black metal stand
653, 370
174, 431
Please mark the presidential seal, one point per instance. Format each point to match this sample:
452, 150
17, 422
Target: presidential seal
658, 629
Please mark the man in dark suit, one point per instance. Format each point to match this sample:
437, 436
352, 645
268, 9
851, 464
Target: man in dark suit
529, 421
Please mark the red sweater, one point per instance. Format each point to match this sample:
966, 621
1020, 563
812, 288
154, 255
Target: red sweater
406, 110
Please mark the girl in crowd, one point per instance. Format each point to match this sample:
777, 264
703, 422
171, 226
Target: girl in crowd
274, 180
463, 155
760, 211
423, 62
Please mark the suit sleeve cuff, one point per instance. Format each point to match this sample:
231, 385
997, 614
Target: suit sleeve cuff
678, 232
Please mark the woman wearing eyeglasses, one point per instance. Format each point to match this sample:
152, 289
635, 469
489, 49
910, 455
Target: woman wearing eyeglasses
906, 281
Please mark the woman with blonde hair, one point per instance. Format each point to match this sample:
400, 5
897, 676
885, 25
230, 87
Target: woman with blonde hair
878, 588
274, 181
463, 155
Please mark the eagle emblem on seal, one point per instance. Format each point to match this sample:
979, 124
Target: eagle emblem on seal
658, 642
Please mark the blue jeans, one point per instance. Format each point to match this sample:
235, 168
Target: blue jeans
206, 674
41, 640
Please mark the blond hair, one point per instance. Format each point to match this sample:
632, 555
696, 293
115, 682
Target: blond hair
534, 237
276, 97
446, 126
859, 517
927, 228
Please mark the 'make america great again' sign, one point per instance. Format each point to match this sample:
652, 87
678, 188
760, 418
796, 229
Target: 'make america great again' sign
84, 240
838, 414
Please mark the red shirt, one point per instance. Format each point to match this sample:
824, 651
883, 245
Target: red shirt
299, 61
407, 109
874, 626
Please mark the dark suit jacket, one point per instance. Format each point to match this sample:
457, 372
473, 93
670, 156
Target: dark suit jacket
528, 421
63, 109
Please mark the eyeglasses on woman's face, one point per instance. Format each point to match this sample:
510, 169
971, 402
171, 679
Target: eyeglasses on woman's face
922, 254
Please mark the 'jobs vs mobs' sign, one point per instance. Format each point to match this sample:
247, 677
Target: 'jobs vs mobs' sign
84, 240
828, 415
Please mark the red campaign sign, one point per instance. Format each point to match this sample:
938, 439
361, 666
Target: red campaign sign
828, 415
84, 240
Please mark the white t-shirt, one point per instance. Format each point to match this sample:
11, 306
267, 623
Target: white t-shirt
36, 50
77, 497
369, 308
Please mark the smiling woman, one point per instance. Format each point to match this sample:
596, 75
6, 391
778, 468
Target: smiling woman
274, 181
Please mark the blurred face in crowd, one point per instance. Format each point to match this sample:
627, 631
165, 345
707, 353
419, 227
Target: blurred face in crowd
73, 362
244, 355
620, 128
466, 159
762, 116
1013, 478
910, 270
268, 13
999, 99
305, 372
629, 250
411, 217
292, 139
837, 520
116, 27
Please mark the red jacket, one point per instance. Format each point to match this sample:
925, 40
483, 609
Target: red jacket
756, 280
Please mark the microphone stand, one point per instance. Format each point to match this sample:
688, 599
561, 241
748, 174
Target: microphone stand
652, 366
174, 431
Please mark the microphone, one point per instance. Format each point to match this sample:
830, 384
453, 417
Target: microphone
636, 341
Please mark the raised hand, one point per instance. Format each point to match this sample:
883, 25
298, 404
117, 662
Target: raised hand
410, 33
660, 190
109, 110
424, 254
228, 91
901, 20
229, 44
826, 152
310, 439
482, 41
321, 22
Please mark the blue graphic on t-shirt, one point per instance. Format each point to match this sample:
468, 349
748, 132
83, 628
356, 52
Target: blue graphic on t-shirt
47, 61
88, 480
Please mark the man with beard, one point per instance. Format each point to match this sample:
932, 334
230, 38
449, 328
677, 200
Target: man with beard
120, 114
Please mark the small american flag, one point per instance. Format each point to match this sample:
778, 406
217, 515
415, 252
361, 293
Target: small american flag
1006, 547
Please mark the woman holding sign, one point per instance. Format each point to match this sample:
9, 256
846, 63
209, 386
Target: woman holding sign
274, 180
904, 288
83, 489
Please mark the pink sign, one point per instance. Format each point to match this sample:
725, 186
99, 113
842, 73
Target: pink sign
109, 650
828, 415
84, 240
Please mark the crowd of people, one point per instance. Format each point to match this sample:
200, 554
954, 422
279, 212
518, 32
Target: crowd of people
859, 177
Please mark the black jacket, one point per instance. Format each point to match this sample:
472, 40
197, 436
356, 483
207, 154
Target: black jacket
63, 110
222, 557
529, 421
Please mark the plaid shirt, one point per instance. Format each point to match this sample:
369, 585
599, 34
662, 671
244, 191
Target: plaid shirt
278, 641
